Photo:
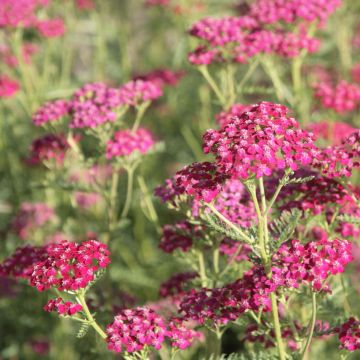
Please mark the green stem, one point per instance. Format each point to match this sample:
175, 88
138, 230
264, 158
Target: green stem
277, 327
81, 298
202, 271
253, 66
205, 72
113, 198
229, 223
140, 111
311, 327
130, 185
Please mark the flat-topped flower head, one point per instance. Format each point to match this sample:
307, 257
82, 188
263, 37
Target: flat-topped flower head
333, 132
137, 92
93, 105
50, 28
349, 335
290, 11
259, 142
175, 286
133, 329
30, 217
22, 261
180, 335
8, 87
51, 111
126, 142
70, 266
227, 116
49, 147
162, 77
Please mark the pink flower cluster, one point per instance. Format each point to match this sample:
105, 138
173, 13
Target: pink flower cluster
49, 147
8, 87
51, 111
259, 142
62, 307
126, 142
69, 266
179, 236
234, 250
8, 57
239, 38
30, 217
342, 98
236, 110
289, 11
21, 262
340, 160
136, 92
199, 180
333, 132
135, 329
349, 335
23, 13
313, 262
175, 285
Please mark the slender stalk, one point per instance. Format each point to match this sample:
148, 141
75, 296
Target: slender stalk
205, 72
130, 185
229, 223
202, 271
277, 327
140, 111
81, 299
253, 66
231, 91
311, 327
113, 198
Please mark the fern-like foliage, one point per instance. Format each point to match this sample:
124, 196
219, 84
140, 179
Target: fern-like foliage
349, 219
283, 227
219, 226
300, 180
83, 330
98, 275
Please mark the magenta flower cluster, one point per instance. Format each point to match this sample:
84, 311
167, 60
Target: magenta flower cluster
8, 87
126, 142
62, 307
349, 335
175, 285
51, 111
259, 142
69, 266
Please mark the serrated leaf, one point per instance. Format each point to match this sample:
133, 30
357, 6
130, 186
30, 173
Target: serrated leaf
97, 276
300, 180
83, 330
349, 219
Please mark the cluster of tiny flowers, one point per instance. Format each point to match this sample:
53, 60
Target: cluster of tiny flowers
342, 98
349, 335
51, 111
332, 132
136, 92
179, 236
70, 266
8, 87
234, 250
260, 141
62, 307
175, 285
181, 337
21, 262
272, 11
202, 181
316, 195
236, 110
23, 13
340, 160
314, 262
126, 142
93, 105
161, 77
49, 147
133, 329
30, 217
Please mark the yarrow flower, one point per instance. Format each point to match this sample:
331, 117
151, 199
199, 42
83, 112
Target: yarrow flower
289, 11
259, 142
22, 261
49, 147
133, 329
137, 92
93, 105
162, 77
349, 335
175, 285
69, 266
333, 132
62, 307
51, 28
180, 335
179, 236
8, 87
126, 142
31, 216
227, 116
342, 98
234, 250
51, 111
